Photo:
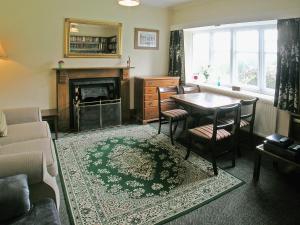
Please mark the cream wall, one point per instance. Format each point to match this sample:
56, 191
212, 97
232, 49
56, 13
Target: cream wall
216, 12
31, 31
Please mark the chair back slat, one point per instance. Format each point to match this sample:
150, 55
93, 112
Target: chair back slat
190, 89
172, 89
226, 125
246, 116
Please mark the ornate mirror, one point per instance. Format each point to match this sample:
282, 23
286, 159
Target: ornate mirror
92, 39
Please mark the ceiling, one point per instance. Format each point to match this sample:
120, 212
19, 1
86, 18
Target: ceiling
164, 3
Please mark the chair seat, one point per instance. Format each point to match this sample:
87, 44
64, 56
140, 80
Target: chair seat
244, 123
207, 132
175, 113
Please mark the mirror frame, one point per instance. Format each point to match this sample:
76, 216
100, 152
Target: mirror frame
68, 54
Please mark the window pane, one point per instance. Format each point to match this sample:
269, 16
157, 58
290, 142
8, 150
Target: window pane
220, 65
270, 40
270, 70
247, 41
221, 41
200, 51
220, 68
247, 68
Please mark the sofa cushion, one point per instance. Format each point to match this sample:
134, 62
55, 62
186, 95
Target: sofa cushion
14, 197
44, 145
3, 125
25, 132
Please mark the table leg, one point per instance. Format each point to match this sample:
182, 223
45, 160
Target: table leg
257, 163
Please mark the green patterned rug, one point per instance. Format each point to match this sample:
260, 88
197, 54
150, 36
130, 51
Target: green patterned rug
131, 175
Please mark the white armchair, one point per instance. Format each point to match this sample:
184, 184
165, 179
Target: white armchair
33, 164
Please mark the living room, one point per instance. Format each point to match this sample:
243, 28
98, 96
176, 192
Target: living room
102, 105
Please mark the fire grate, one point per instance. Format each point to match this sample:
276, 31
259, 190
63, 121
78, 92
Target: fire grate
97, 114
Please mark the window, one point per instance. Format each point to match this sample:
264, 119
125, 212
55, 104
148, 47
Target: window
201, 51
220, 56
247, 57
270, 57
242, 54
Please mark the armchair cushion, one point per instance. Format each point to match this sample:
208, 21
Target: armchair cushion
14, 197
25, 132
3, 125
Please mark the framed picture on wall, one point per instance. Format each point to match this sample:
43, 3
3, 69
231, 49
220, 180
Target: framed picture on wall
146, 38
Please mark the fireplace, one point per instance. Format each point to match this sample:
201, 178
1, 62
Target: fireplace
89, 86
94, 103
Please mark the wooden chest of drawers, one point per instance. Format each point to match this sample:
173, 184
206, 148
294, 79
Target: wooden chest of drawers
146, 103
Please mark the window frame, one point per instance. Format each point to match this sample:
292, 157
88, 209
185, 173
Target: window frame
260, 27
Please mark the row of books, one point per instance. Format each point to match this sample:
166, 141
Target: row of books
92, 39
86, 46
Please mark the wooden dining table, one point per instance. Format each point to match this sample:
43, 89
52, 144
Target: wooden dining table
204, 101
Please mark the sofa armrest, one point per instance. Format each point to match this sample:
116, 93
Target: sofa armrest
33, 164
22, 115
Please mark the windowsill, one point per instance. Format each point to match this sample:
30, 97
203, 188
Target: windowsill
242, 94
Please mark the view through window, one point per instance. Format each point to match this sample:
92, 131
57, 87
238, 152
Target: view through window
244, 55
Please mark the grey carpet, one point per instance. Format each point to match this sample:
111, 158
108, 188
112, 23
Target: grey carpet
275, 200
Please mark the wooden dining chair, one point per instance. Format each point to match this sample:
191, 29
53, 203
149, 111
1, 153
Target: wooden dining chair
218, 132
172, 113
247, 119
187, 89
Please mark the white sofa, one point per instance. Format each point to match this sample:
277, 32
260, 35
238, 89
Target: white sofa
28, 148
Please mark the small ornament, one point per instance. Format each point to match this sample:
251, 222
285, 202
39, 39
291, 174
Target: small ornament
219, 82
195, 76
60, 64
128, 62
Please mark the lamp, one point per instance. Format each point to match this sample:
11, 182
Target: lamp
129, 2
2, 52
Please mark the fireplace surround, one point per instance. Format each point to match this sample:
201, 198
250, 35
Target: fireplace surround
95, 83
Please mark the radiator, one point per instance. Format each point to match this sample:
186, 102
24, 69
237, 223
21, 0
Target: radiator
266, 113
265, 120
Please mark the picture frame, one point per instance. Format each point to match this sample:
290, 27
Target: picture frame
146, 39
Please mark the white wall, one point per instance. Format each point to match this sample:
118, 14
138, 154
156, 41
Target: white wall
31, 32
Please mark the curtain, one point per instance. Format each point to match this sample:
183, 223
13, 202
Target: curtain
288, 65
176, 55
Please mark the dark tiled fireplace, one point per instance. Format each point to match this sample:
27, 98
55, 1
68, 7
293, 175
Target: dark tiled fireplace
86, 85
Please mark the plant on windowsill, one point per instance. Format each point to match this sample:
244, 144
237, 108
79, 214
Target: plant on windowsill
206, 73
